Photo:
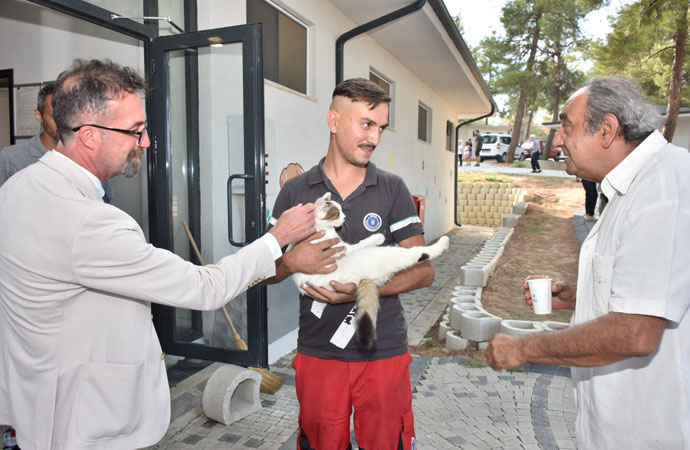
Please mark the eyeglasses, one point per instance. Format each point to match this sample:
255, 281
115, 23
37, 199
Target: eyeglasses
140, 134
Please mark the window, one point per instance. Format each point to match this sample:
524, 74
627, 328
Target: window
423, 123
285, 45
387, 86
449, 135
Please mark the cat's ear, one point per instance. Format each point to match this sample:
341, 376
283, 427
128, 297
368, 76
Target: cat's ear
326, 196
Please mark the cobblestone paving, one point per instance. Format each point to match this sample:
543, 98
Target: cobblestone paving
456, 404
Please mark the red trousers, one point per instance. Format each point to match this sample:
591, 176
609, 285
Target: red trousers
378, 391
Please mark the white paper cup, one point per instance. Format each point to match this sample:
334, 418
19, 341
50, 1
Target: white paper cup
540, 290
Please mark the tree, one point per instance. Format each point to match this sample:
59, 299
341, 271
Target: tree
648, 44
532, 59
521, 20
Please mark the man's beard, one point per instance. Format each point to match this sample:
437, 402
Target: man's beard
132, 165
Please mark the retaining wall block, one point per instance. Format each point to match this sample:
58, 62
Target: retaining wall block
443, 328
520, 327
479, 326
549, 325
510, 220
520, 209
455, 342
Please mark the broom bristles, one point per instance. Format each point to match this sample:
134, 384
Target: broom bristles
270, 383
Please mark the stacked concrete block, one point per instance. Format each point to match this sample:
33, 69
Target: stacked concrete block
520, 208
549, 325
454, 341
485, 204
477, 270
520, 327
479, 326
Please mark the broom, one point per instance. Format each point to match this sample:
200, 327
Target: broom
270, 382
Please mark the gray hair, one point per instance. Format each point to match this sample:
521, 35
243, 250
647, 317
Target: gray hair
46, 90
621, 97
83, 91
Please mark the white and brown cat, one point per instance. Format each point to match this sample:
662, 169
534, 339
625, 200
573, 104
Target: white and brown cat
366, 264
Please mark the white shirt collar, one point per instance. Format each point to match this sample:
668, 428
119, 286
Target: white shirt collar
619, 179
96, 182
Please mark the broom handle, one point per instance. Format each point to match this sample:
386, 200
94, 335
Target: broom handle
201, 260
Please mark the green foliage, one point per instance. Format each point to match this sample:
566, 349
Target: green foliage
641, 47
429, 342
533, 64
520, 164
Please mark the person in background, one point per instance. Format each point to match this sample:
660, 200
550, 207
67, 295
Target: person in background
630, 335
468, 152
15, 157
478, 143
591, 195
535, 153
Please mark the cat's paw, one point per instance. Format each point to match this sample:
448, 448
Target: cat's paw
377, 239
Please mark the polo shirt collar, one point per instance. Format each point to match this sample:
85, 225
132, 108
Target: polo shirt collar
317, 175
621, 177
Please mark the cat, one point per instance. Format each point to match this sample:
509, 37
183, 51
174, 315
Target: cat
366, 264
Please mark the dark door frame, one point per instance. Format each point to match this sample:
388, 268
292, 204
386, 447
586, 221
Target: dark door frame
9, 74
160, 228
254, 178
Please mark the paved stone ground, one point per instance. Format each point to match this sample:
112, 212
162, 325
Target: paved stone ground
457, 403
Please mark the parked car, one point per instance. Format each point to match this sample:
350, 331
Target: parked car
523, 151
495, 146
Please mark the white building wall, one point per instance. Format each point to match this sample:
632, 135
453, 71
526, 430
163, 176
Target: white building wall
296, 130
681, 137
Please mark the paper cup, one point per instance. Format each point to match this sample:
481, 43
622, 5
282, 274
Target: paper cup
540, 290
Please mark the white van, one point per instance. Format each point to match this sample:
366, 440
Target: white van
495, 146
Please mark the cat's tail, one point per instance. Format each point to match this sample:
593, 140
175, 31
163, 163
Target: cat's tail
367, 312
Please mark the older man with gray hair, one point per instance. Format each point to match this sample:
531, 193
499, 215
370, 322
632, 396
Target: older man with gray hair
630, 336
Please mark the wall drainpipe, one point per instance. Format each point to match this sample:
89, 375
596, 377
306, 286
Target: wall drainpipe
457, 130
340, 43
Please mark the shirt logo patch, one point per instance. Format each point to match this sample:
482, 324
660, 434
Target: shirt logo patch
372, 221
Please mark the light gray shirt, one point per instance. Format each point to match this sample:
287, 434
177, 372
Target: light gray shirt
15, 157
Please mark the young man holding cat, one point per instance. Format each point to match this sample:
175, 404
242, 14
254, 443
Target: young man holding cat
334, 372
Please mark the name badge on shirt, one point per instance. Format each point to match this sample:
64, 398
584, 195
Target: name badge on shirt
343, 335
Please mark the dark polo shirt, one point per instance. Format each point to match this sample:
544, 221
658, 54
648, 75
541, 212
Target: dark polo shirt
381, 204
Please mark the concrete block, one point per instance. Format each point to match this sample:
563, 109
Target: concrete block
549, 325
231, 393
443, 328
474, 275
520, 208
479, 326
483, 345
455, 315
510, 220
461, 299
455, 342
520, 327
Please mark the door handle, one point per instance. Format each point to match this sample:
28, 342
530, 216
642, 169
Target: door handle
230, 180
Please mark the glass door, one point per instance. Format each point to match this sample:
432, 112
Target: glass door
208, 162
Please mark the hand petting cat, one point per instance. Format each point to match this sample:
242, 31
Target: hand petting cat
313, 258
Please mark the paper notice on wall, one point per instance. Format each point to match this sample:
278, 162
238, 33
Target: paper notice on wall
25, 123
